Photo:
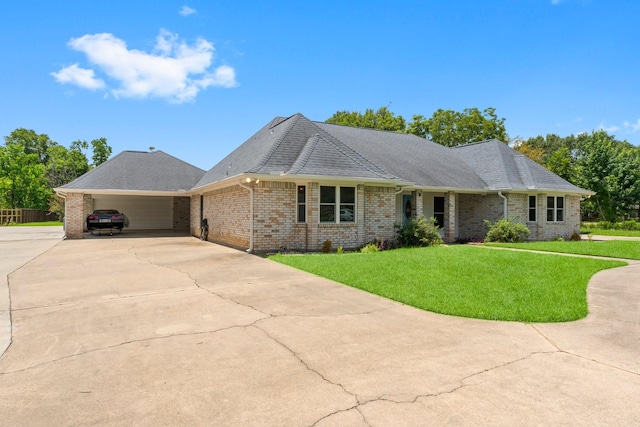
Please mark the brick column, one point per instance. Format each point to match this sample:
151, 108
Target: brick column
450, 220
419, 205
74, 217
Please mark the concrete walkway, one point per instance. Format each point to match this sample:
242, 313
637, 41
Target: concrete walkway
175, 331
18, 246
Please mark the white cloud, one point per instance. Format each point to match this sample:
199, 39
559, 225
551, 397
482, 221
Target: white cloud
609, 129
186, 11
175, 70
82, 77
634, 127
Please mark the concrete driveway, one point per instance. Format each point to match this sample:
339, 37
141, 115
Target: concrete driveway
175, 331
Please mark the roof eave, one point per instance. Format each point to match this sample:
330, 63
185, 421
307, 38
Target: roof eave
281, 176
119, 192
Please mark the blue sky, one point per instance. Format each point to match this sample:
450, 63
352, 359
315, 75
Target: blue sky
197, 78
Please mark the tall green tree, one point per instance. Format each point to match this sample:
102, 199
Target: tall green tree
562, 164
612, 169
101, 151
31, 143
65, 165
23, 181
382, 119
452, 128
32, 164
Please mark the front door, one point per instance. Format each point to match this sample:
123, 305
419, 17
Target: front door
407, 208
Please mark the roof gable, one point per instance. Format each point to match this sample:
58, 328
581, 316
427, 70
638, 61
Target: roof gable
294, 146
410, 157
139, 171
503, 168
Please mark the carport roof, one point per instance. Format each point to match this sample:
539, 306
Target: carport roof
139, 171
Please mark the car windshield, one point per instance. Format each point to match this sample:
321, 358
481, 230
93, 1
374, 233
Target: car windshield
106, 212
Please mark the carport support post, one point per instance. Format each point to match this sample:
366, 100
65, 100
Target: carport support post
74, 217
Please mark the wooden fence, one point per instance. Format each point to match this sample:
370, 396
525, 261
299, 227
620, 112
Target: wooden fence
22, 216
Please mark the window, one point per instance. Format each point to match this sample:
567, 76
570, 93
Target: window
340, 199
438, 210
302, 203
347, 204
533, 203
555, 209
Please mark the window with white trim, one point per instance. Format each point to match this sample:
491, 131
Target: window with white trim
555, 209
533, 208
337, 204
301, 202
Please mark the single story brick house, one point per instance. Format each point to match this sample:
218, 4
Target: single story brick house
297, 183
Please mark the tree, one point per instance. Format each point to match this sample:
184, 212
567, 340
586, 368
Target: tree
31, 143
23, 183
562, 164
534, 153
612, 169
65, 165
31, 165
383, 119
101, 151
452, 128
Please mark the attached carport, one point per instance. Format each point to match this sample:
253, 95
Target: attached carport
150, 188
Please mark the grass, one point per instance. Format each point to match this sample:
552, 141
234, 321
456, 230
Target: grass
602, 232
466, 281
36, 224
613, 248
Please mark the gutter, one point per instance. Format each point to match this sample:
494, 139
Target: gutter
250, 250
505, 207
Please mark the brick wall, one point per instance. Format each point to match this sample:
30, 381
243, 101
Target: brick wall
227, 211
474, 209
74, 214
379, 213
275, 217
275, 227
181, 217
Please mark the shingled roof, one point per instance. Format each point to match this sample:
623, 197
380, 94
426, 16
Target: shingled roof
296, 147
141, 171
503, 168
413, 159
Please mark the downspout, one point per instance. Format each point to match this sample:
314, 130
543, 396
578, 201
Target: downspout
506, 212
250, 250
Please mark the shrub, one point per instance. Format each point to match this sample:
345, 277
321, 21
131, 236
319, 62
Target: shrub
606, 225
630, 225
340, 249
506, 231
369, 248
575, 237
385, 245
326, 246
419, 232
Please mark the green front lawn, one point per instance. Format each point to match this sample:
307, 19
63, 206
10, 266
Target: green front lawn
602, 232
466, 281
36, 224
612, 248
